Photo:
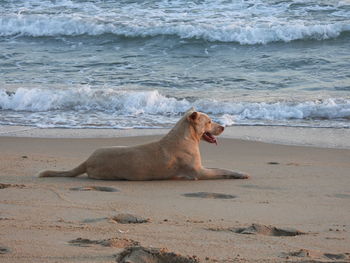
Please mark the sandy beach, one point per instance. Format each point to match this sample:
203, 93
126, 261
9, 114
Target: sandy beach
76, 76
294, 208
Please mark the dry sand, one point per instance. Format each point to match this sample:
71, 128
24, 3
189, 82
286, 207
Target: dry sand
296, 206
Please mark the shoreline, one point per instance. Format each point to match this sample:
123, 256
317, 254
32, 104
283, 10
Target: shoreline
337, 138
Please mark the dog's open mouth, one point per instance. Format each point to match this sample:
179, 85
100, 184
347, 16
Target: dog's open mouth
209, 138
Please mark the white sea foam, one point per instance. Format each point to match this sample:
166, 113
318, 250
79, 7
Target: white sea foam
86, 99
39, 25
245, 22
184, 71
144, 103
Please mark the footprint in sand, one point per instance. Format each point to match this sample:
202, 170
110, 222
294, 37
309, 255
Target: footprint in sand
129, 219
304, 253
111, 242
273, 163
137, 254
4, 250
3, 186
345, 196
210, 195
83, 242
120, 218
257, 229
336, 256
95, 188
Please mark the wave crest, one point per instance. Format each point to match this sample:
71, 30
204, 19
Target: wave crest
87, 99
140, 103
261, 33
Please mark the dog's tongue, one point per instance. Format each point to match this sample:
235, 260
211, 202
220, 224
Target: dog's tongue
210, 138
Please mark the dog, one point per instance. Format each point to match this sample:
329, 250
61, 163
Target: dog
175, 156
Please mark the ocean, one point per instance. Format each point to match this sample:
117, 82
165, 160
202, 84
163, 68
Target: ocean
142, 64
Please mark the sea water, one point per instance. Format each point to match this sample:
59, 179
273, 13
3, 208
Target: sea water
142, 64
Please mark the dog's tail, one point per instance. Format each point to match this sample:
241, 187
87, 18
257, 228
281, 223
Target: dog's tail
71, 173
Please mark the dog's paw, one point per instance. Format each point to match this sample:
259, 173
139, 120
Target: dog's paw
186, 177
237, 175
194, 178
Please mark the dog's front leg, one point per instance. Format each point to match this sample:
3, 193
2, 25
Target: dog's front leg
215, 173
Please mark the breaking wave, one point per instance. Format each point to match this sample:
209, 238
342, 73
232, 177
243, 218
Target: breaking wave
262, 33
140, 103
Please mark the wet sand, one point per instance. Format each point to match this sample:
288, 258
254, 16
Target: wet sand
295, 207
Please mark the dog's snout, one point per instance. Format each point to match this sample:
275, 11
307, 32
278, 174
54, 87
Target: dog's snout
222, 128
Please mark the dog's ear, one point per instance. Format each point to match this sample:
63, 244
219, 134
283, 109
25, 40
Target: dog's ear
191, 109
193, 116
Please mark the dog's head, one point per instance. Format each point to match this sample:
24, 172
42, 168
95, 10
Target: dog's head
204, 127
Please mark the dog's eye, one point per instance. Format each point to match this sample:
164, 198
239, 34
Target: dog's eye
209, 122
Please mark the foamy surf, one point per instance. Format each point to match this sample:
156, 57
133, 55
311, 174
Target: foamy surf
151, 109
245, 22
261, 33
252, 62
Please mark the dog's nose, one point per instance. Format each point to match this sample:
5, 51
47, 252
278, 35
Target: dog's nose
222, 128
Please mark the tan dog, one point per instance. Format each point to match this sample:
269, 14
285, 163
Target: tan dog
176, 155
